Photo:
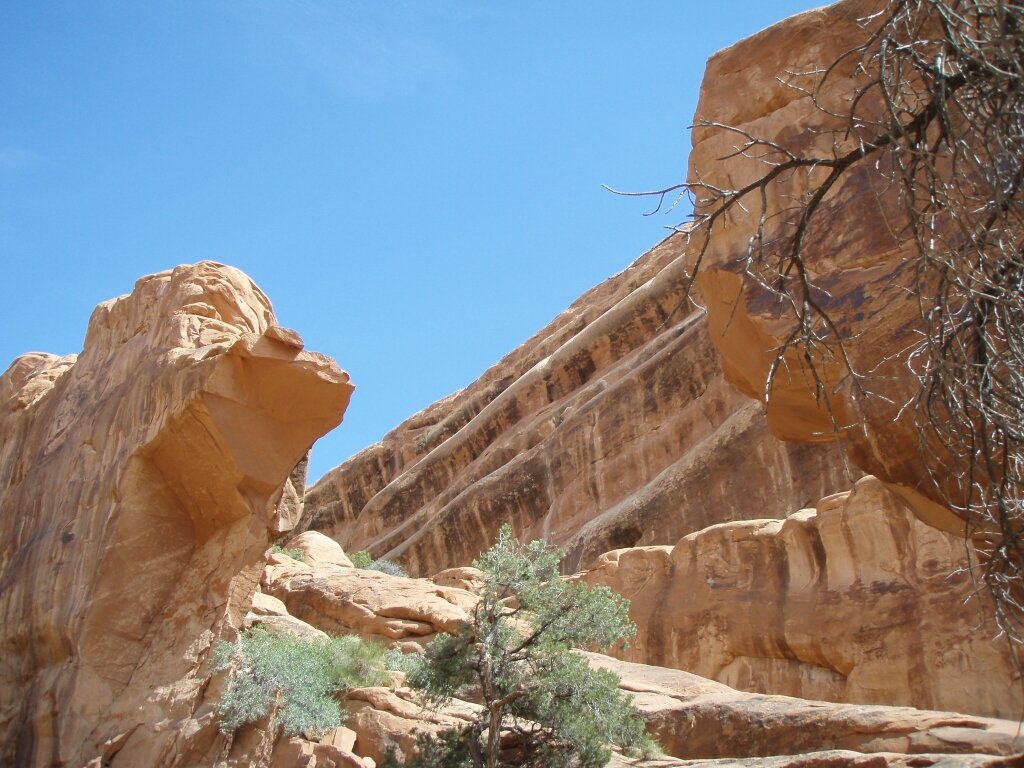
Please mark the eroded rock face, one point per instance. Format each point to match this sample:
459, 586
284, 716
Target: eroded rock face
610, 427
854, 601
139, 486
695, 719
858, 251
343, 600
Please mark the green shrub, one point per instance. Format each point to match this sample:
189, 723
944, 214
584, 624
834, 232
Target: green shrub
294, 554
517, 655
388, 567
361, 559
300, 674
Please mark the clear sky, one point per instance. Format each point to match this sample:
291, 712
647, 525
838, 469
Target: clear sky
416, 185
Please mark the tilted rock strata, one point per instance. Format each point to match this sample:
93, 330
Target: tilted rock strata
139, 486
857, 601
610, 427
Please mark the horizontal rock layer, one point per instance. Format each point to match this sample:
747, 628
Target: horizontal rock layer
139, 486
611, 427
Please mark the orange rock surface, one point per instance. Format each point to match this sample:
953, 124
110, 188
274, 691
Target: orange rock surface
611, 427
695, 719
857, 251
854, 601
139, 486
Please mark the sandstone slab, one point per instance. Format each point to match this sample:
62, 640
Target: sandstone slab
612, 426
377, 606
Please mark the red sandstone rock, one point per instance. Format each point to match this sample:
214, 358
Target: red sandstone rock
856, 601
610, 427
857, 251
345, 600
139, 486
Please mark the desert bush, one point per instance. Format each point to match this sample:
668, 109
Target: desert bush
298, 675
294, 554
361, 559
365, 560
388, 567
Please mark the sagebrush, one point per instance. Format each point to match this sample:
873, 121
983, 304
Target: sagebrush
293, 678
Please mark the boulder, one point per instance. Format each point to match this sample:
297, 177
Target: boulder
693, 717
318, 549
374, 605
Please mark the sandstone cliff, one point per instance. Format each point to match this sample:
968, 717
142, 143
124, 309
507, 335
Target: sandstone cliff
854, 601
612, 426
858, 254
139, 486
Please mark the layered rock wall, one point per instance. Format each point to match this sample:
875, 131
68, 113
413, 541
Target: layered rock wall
139, 486
611, 427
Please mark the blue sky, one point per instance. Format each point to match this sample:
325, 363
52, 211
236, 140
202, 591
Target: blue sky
416, 185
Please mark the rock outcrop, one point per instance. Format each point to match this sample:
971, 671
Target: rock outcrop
854, 601
342, 600
140, 485
611, 427
696, 720
857, 252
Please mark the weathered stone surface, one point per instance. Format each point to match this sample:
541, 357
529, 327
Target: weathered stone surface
467, 578
318, 549
857, 250
856, 601
385, 720
697, 718
345, 600
830, 758
299, 753
610, 427
139, 484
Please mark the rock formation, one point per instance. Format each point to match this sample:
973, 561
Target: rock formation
854, 601
694, 719
610, 427
857, 252
342, 600
140, 484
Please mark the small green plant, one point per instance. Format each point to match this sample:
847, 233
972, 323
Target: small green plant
294, 554
361, 559
364, 560
543, 703
300, 674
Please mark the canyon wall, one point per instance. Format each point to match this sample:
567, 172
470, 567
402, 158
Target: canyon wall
856, 600
140, 484
613, 426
